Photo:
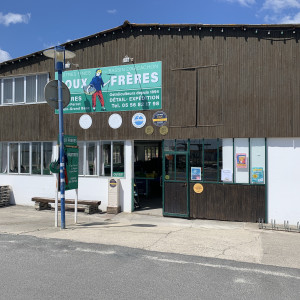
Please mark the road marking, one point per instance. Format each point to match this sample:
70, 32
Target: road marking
96, 251
248, 270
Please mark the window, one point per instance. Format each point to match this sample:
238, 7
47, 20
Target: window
7, 91
210, 164
13, 158
118, 159
91, 158
26, 158
19, 90
23, 89
81, 158
47, 156
239, 160
106, 159
42, 80
30, 89
36, 158
151, 152
3, 157
95, 158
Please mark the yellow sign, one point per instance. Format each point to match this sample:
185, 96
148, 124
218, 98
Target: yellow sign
149, 130
198, 188
163, 130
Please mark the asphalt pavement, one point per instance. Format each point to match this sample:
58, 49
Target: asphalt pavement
237, 241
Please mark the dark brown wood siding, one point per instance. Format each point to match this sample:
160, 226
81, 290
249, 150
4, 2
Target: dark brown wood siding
175, 199
228, 202
253, 92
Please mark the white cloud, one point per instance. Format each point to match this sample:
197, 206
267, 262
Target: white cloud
243, 2
280, 5
291, 20
12, 18
4, 56
112, 11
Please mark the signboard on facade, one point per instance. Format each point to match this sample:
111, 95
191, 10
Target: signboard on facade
160, 118
117, 88
138, 120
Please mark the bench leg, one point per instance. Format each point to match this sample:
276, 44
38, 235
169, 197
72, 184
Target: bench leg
42, 206
91, 209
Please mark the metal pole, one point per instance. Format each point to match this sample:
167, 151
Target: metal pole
59, 67
76, 206
56, 201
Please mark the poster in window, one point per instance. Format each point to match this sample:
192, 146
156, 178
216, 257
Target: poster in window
226, 175
257, 175
241, 160
195, 173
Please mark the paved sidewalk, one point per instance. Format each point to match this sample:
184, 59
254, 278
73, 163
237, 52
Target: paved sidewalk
237, 241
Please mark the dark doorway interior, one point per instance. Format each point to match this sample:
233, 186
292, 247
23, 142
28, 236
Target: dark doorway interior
147, 175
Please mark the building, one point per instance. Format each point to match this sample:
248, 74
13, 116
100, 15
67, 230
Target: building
221, 138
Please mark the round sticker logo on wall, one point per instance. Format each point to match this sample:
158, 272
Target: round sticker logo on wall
160, 118
115, 121
138, 120
85, 121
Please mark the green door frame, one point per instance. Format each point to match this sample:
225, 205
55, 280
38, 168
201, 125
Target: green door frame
186, 153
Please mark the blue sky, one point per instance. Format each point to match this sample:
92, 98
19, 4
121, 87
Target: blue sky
29, 26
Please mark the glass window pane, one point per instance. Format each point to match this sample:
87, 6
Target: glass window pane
106, 159
3, 157
47, 157
169, 145
196, 154
118, 159
7, 91
19, 89
226, 160
258, 157
80, 158
91, 152
169, 167
241, 160
181, 145
36, 158
30, 89
181, 167
13, 158
210, 172
24, 158
41, 82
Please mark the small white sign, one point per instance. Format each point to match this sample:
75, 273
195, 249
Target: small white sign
115, 121
139, 120
85, 121
226, 175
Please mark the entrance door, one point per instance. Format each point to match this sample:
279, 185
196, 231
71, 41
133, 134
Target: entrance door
175, 184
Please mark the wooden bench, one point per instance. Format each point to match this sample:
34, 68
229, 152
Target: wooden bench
88, 206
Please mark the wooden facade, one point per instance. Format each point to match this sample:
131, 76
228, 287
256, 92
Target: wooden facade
230, 202
217, 82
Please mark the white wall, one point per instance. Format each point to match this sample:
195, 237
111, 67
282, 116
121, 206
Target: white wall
25, 187
284, 180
